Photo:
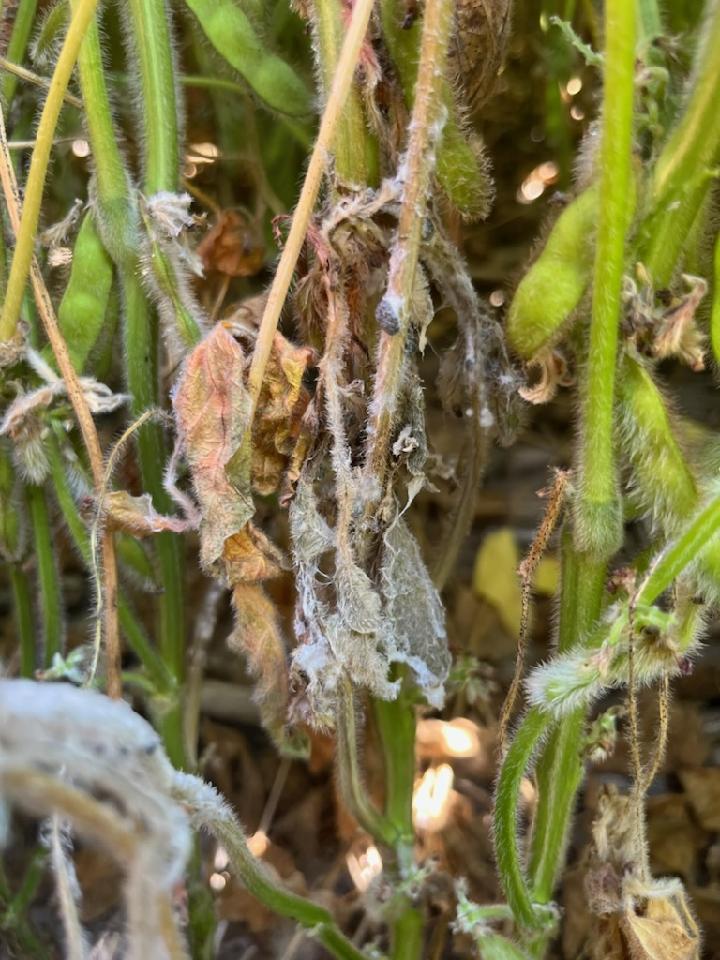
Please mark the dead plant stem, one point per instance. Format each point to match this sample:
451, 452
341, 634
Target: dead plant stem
394, 311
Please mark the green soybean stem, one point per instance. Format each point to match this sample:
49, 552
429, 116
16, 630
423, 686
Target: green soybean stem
560, 767
209, 812
598, 517
48, 581
150, 21
22, 609
119, 223
350, 777
516, 763
680, 553
22, 257
396, 724
21, 30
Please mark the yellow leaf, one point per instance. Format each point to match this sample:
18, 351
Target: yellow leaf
495, 577
547, 576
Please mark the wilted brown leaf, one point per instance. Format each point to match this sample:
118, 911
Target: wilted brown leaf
232, 247
137, 515
283, 401
250, 556
552, 373
211, 408
257, 636
678, 334
666, 931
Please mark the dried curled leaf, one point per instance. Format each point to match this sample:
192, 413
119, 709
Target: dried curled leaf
553, 373
665, 931
257, 636
137, 515
250, 556
283, 401
211, 408
678, 334
232, 247
635, 918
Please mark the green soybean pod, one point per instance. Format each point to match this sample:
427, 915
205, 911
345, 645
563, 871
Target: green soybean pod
81, 314
461, 166
231, 32
554, 284
662, 482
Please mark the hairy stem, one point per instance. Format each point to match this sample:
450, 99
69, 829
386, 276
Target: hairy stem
22, 609
396, 724
48, 582
355, 151
517, 761
394, 310
209, 812
351, 779
560, 767
17, 45
119, 224
107, 598
598, 514
150, 20
131, 626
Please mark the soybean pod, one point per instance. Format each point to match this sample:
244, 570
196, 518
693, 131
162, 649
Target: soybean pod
662, 481
81, 314
553, 286
231, 32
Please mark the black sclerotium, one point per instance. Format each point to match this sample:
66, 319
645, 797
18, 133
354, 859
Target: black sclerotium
387, 317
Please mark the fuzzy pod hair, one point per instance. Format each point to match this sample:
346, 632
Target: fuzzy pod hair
553, 286
661, 481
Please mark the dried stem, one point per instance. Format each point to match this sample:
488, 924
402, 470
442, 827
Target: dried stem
29, 77
108, 590
395, 308
526, 572
25, 231
66, 886
43, 794
308, 195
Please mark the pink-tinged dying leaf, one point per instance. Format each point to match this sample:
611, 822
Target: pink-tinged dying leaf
211, 409
257, 636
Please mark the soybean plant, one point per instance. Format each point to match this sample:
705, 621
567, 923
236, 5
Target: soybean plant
596, 292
